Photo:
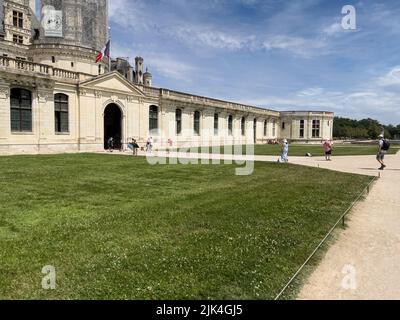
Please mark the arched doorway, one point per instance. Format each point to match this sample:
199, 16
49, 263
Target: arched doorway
113, 125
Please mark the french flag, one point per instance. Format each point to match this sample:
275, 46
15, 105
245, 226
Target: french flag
105, 52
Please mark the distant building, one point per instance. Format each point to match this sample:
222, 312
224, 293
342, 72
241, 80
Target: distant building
55, 98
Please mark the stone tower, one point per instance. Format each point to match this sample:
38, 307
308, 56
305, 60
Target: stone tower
84, 22
72, 33
32, 4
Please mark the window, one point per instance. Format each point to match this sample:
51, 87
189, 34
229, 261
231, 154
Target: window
255, 130
178, 120
243, 126
37, 34
274, 128
18, 39
216, 124
153, 118
283, 125
21, 110
61, 113
230, 125
53, 59
72, 64
316, 125
301, 129
265, 128
196, 123
18, 19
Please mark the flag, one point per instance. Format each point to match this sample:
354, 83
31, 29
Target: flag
105, 52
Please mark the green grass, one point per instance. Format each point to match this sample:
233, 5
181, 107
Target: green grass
303, 149
117, 228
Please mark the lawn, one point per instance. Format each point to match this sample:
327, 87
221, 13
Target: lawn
303, 149
115, 227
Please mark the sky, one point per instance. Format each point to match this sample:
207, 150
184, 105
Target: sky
284, 55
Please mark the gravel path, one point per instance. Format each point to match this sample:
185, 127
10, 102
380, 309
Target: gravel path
364, 262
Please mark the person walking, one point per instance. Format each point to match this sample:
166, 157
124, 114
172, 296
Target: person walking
110, 144
284, 151
383, 148
149, 145
328, 146
135, 147
169, 145
131, 146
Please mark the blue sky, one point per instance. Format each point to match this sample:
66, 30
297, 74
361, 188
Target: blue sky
287, 55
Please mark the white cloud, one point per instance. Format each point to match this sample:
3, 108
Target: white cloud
367, 101
296, 45
311, 92
202, 36
163, 63
333, 29
391, 78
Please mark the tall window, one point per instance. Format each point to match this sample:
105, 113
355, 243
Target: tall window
196, 123
274, 128
255, 130
216, 124
178, 120
265, 127
21, 110
61, 113
230, 125
316, 126
243, 126
18, 19
283, 125
301, 128
153, 118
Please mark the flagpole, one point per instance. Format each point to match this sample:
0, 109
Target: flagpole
109, 56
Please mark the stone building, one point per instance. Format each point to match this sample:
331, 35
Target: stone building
55, 98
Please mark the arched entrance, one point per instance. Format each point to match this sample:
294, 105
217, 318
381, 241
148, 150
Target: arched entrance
113, 125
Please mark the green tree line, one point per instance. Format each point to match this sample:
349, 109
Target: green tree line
363, 129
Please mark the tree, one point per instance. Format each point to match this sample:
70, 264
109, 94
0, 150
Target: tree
363, 129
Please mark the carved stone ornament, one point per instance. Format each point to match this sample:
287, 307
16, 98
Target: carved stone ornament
4, 93
43, 96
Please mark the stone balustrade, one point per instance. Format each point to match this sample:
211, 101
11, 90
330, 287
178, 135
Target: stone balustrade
42, 69
170, 94
190, 98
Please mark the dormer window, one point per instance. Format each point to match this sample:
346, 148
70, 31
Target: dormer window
18, 19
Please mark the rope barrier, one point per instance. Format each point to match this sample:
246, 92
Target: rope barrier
341, 219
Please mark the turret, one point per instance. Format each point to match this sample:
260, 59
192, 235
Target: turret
147, 78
